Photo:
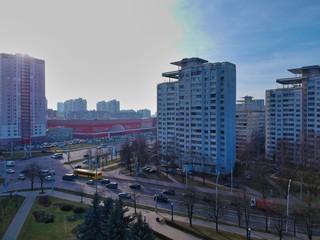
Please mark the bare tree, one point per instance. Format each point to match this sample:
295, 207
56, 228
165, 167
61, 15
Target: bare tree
135, 197
238, 203
279, 220
312, 183
41, 177
188, 201
126, 155
216, 211
140, 148
31, 172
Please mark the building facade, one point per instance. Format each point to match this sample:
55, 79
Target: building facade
293, 117
250, 124
22, 99
196, 115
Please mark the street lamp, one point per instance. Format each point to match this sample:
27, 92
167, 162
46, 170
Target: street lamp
288, 202
171, 212
217, 192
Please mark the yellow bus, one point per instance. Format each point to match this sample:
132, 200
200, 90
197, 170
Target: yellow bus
85, 173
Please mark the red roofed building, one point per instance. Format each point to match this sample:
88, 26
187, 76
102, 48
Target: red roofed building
105, 128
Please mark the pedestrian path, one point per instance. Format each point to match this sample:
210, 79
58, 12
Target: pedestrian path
150, 216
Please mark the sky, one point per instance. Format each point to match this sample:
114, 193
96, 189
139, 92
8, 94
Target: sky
104, 50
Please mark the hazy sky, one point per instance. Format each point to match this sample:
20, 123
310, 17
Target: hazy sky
104, 50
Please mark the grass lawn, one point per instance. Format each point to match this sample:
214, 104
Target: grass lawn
61, 228
206, 233
8, 208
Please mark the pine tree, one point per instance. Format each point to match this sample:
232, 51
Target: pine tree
91, 228
119, 222
140, 230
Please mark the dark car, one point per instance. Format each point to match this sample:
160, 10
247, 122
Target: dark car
68, 177
169, 192
135, 186
160, 198
104, 181
124, 195
112, 185
78, 166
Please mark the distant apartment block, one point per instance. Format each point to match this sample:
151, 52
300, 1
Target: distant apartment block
110, 106
146, 113
196, 115
293, 117
250, 124
22, 99
60, 107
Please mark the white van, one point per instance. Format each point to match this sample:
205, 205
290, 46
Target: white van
10, 163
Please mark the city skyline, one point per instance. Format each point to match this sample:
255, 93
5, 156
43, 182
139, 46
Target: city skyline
118, 50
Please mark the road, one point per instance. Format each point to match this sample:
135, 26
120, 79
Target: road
143, 196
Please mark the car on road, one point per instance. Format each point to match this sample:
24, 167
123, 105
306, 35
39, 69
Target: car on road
104, 181
68, 177
113, 185
10, 163
124, 195
169, 192
77, 166
21, 176
86, 155
160, 198
135, 186
49, 178
90, 182
10, 171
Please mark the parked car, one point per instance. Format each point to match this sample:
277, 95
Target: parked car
169, 192
135, 186
90, 182
160, 198
112, 185
49, 178
124, 195
21, 176
105, 181
78, 166
10, 171
151, 170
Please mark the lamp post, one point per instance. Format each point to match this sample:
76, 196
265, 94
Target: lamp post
217, 192
171, 212
288, 202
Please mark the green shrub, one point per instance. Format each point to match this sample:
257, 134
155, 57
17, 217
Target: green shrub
66, 207
78, 210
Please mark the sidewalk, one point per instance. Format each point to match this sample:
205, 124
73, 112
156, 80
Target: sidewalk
18, 221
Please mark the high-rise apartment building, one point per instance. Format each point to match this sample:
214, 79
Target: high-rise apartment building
113, 106
79, 104
250, 124
293, 117
101, 106
110, 106
196, 115
22, 99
